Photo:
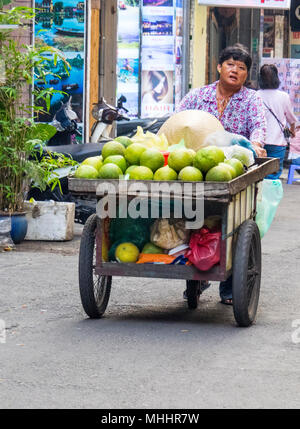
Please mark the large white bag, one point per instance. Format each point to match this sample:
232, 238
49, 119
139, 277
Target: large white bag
191, 125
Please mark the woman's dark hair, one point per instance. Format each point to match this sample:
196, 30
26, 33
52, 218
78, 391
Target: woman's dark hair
268, 77
238, 52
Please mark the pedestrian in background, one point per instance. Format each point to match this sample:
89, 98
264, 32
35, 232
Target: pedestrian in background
279, 113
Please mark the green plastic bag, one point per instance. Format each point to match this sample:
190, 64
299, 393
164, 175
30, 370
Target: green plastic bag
136, 231
267, 202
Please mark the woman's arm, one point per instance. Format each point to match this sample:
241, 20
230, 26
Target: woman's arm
257, 125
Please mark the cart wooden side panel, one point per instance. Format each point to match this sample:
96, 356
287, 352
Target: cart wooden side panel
213, 191
235, 200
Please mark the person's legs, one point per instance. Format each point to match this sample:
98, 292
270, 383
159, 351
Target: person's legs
274, 151
225, 291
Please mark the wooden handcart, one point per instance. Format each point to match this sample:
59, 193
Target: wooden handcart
240, 251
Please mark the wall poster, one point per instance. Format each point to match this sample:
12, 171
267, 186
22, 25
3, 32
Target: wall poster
157, 80
61, 24
269, 36
128, 61
295, 44
150, 43
289, 76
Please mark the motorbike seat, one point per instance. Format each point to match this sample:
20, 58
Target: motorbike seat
78, 152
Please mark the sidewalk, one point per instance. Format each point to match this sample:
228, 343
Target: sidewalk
62, 247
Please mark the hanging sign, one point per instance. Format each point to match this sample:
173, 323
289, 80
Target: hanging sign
272, 4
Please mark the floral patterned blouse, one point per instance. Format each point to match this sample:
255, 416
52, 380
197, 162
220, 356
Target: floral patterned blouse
244, 114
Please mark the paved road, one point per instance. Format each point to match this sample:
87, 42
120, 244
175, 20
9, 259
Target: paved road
149, 351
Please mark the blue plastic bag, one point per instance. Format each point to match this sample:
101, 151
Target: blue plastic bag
242, 141
267, 202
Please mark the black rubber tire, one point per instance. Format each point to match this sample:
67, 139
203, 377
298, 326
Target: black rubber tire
94, 289
193, 293
246, 274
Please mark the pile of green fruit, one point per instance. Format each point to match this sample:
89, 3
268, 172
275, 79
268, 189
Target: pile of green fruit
124, 158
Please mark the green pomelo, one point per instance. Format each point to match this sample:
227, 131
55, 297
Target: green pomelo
124, 140
153, 159
190, 174
218, 174
86, 172
208, 157
236, 164
112, 148
242, 157
152, 249
119, 160
230, 169
165, 173
94, 161
130, 168
192, 152
180, 158
141, 173
110, 171
133, 153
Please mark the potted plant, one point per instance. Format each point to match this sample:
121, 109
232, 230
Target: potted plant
20, 134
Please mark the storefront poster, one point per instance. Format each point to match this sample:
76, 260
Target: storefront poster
178, 53
289, 76
159, 3
269, 36
150, 45
273, 4
279, 35
157, 25
295, 44
128, 55
157, 93
61, 24
158, 52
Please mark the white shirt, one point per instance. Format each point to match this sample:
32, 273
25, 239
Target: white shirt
280, 103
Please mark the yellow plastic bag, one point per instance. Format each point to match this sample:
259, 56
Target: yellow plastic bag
150, 140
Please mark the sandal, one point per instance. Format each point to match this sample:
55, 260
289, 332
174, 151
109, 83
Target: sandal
227, 301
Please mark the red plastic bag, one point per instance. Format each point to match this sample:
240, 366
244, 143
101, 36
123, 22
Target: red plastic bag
204, 251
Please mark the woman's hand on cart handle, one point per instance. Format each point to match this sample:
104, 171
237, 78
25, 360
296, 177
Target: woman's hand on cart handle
260, 151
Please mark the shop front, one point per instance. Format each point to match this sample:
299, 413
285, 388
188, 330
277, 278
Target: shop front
261, 25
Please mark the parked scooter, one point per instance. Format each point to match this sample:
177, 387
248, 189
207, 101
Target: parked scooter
66, 126
65, 123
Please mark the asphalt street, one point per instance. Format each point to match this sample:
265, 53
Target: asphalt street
149, 350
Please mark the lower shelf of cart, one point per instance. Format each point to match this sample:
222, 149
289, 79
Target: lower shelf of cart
186, 272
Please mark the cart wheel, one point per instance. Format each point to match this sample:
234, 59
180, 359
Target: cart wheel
193, 292
94, 289
246, 273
